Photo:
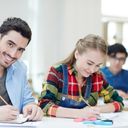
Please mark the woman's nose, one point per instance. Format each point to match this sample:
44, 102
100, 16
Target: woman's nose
93, 69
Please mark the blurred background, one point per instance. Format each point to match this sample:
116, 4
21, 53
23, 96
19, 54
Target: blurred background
58, 24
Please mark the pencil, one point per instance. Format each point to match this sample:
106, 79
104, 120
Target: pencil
3, 100
81, 97
85, 101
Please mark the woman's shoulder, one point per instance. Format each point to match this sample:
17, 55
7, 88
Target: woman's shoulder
56, 67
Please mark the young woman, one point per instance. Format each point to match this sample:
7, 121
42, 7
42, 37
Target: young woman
73, 86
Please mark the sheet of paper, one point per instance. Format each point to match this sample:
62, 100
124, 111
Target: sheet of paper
22, 125
20, 119
109, 115
20, 122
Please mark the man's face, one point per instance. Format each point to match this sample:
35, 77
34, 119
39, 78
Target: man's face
117, 62
12, 46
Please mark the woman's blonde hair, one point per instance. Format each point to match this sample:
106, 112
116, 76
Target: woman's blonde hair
90, 41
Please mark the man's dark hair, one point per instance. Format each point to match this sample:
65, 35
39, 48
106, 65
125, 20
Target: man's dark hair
116, 48
16, 24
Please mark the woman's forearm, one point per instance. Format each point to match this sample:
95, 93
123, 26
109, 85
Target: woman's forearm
68, 112
77, 113
107, 108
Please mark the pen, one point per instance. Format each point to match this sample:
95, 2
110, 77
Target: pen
3, 100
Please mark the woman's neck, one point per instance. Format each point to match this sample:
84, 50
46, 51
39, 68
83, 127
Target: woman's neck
80, 80
79, 77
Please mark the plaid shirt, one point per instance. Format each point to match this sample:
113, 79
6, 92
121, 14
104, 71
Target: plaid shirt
52, 90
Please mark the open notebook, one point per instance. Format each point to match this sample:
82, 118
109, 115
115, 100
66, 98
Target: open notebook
20, 119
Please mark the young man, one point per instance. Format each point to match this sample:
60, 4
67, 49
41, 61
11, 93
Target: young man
15, 35
114, 73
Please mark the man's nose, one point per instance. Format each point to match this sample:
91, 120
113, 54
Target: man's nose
14, 53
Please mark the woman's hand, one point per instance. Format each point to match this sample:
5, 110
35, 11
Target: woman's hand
33, 111
90, 112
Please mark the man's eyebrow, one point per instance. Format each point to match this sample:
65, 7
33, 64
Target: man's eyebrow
12, 42
15, 45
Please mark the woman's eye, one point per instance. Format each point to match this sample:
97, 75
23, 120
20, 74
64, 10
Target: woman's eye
89, 63
98, 66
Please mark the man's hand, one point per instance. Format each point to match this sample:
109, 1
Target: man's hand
8, 112
33, 111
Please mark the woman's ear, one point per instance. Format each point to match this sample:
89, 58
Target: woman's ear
76, 54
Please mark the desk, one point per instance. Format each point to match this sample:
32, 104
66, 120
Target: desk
120, 121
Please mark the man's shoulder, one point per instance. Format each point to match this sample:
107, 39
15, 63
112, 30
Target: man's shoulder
104, 69
20, 65
125, 71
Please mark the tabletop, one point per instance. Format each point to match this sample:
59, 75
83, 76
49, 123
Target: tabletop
120, 120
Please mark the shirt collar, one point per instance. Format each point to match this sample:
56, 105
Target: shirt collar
10, 70
72, 70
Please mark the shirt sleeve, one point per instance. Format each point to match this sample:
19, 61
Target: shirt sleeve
27, 91
111, 96
49, 93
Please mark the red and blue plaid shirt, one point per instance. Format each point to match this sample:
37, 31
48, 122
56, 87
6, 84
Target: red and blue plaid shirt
52, 90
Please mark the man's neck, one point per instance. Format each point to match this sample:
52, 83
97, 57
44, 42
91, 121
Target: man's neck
2, 70
113, 71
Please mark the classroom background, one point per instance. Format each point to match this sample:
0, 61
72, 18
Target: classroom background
58, 24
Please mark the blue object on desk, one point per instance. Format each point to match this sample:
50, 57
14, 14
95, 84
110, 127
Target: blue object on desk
99, 122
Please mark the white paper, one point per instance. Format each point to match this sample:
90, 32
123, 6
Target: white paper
20, 119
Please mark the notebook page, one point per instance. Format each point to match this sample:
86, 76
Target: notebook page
20, 119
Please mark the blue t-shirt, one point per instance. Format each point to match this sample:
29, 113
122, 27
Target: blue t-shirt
118, 81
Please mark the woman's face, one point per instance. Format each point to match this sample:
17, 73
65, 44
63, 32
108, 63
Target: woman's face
89, 62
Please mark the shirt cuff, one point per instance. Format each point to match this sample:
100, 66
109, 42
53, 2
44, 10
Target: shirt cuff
116, 105
52, 110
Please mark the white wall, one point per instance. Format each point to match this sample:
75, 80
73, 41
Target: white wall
60, 24
56, 26
117, 14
